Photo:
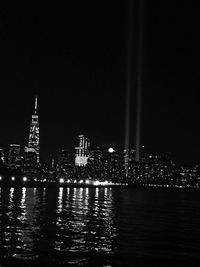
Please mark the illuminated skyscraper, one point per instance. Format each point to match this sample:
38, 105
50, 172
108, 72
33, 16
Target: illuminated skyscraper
82, 151
33, 142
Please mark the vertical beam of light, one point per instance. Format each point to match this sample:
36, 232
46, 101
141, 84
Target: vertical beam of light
128, 88
139, 80
35, 104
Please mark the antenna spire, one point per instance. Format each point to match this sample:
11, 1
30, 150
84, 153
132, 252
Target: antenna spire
35, 104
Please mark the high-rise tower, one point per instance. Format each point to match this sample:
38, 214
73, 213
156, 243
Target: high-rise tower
82, 151
33, 142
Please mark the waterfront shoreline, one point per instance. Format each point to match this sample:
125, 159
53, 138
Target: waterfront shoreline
77, 185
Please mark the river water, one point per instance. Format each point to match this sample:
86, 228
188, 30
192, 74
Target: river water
99, 227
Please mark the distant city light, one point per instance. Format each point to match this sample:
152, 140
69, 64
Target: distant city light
102, 183
24, 179
61, 180
111, 150
96, 183
97, 164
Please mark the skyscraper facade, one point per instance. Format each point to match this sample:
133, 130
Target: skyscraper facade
82, 151
33, 142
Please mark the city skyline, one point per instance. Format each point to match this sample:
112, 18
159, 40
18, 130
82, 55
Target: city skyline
75, 61
34, 121
99, 137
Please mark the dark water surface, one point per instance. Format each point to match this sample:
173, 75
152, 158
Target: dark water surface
99, 227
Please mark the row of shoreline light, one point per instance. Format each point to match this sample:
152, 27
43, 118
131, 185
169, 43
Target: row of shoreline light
87, 182
62, 181
68, 181
13, 178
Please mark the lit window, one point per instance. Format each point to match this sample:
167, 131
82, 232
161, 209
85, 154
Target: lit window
13, 178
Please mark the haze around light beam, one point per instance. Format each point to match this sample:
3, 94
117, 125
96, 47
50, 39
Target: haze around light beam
139, 81
129, 83
128, 88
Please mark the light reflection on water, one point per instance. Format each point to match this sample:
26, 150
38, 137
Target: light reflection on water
81, 225
35, 221
97, 226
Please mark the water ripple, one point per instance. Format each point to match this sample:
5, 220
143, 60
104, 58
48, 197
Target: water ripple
97, 226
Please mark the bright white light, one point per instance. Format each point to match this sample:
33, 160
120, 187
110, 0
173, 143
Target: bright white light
61, 180
102, 183
75, 181
105, 183
68, 181
81, 181
81, 160
96, 183
111, 150
0, 178
87, 181
13, 178
24, 179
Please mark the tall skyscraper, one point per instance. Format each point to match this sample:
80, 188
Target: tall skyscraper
82, 151
14, 158
33, 142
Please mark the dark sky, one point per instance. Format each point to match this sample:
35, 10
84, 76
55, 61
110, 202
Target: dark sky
74, 57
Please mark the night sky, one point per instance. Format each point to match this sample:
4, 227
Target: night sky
74, 57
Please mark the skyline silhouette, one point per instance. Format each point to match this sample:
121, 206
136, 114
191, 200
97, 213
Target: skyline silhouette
75, 61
